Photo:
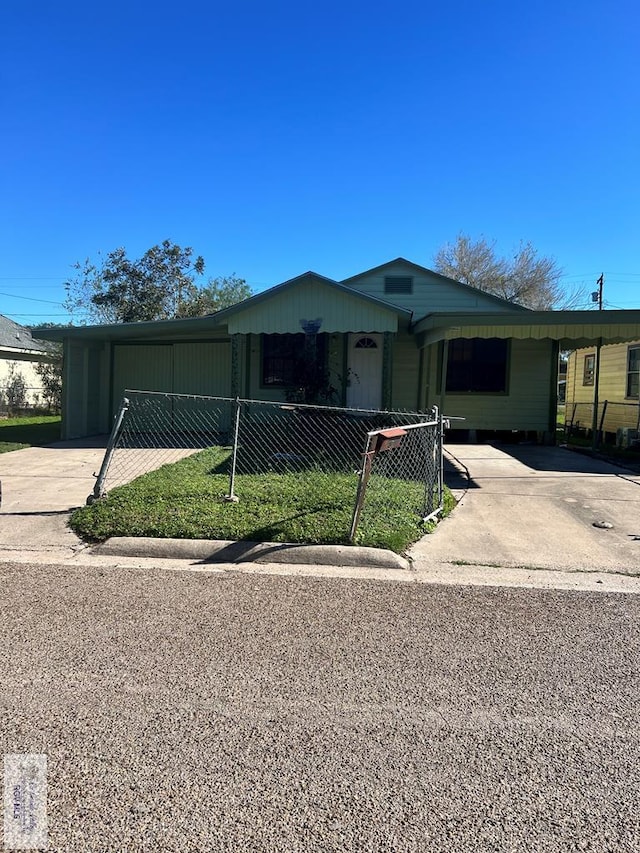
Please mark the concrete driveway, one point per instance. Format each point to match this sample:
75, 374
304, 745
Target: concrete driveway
535, 507
40, 485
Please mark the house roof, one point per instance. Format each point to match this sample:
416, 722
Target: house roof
18, 339
308, 276
445, 278
222, 318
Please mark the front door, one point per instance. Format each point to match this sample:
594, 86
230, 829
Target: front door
365, 371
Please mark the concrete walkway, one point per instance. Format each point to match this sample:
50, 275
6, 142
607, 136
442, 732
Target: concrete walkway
535, 507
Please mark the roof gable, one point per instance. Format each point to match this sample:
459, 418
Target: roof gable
311, 298
432, 292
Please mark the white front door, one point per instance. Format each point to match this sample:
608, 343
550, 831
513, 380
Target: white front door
365, 371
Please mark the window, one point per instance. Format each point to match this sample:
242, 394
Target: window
477, 365
633, 372
283, 357
589, 369
366, 343
398, 284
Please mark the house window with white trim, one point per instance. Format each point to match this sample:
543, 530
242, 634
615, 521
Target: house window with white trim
633, 372
589, 370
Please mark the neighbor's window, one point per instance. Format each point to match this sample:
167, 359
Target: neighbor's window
477, 365
589, 369
398, 284
633, 372
282, 356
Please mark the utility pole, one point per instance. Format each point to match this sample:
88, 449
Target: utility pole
596, 296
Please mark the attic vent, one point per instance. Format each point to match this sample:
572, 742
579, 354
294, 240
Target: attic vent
398, 284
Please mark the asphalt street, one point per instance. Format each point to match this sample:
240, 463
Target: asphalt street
243, 712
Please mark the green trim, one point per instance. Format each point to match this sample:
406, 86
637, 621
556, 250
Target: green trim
420, 390
247, 366
553, 396
345, 367
235, 365
112, 364
387, 370
439, 367
170, 342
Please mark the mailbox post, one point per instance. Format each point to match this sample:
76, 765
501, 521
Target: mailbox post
381, 441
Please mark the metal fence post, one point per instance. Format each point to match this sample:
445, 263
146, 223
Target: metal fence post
437, 416
232, 497
367, 457
98, 489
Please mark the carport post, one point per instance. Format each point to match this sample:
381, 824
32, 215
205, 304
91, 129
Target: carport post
596, 382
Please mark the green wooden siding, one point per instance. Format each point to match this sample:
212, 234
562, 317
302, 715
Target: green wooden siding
202, 368
147, 367
74, 392
181, 368
405, 373
339, 312
525, 406
430, 293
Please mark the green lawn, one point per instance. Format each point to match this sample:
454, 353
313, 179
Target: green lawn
18, 433
185, 501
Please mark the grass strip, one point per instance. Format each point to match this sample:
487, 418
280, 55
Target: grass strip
185, 501
18, 433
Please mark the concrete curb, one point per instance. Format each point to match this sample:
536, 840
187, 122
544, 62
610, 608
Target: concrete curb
224, 551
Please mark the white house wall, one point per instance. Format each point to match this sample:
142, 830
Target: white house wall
28, 372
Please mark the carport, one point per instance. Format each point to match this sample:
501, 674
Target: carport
546, 334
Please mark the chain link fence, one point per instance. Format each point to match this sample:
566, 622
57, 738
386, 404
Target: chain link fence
315, 443
617, 423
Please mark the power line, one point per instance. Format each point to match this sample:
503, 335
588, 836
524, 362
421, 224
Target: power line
29, 298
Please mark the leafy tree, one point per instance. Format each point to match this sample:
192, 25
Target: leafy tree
50, 372
217, 294
14, 393
525, 278
121, 290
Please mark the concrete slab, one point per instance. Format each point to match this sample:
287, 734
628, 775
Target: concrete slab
40, 486
527, 506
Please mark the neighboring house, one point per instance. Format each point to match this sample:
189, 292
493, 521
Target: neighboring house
397, 336
618, 386
19, 351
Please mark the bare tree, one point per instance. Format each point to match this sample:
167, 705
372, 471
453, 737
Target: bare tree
526, 278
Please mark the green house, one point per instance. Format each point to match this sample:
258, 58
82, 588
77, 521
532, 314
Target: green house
398, 336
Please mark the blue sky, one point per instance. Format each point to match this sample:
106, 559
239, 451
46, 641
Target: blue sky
276, 138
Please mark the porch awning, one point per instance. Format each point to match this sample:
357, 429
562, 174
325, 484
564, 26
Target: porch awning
573, 329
